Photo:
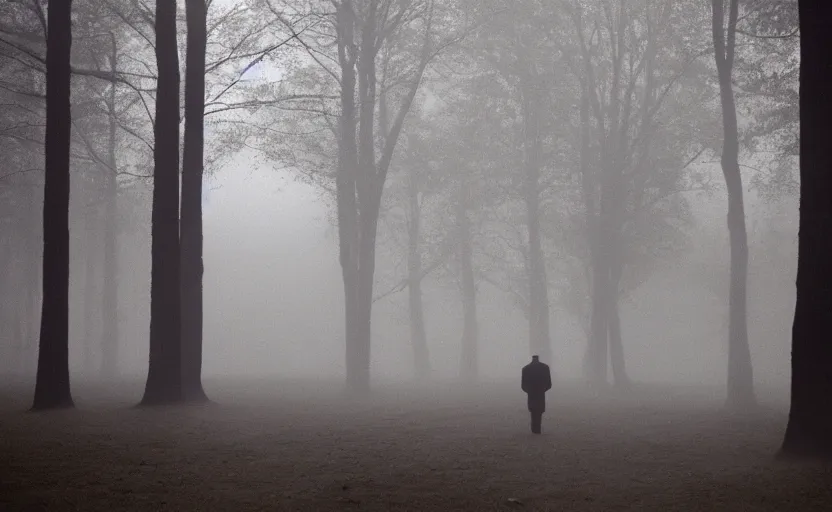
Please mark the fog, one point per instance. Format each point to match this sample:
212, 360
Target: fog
411, 255
492, 215
274, 297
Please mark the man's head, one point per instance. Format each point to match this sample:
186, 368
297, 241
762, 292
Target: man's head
535, 359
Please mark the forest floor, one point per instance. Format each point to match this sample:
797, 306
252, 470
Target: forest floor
302, 446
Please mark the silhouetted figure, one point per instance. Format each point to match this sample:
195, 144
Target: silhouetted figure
536, 382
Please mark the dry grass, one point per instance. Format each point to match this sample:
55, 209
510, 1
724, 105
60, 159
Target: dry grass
274, 445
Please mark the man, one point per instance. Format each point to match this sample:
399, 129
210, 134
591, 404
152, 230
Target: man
536, 382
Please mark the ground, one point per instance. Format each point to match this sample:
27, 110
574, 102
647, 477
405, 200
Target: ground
303, 446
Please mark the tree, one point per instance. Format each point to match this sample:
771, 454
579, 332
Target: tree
740, 373
810, 418
109, 295
164, 376
361, 31
192, 177
519, 50
52, 389
627, 59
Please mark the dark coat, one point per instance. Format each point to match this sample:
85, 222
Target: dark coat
536, 382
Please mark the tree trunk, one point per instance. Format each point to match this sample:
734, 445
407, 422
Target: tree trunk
469, 364
360, 182
345, 190
109, 295
192, 178
810, 417
164, 376
595, 360
539, 341
418, 338
740, 376
597, 350
360, 382
52, 383
91, 310
617, 359
33, 283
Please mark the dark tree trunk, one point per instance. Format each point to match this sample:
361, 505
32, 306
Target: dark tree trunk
109, 295
539, 341
52, 384
809, 432
418, 338
469, 360
191, 229
740, 376
164, 376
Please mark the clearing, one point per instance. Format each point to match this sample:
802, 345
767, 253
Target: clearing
300, 445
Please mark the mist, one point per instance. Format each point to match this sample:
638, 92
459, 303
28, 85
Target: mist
274, 306
415, 255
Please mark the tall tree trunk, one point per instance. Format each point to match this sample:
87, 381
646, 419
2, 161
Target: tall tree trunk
91, 309
809, 431
599, 328
469, 360
418, 338
33, 283
192, 177
109, 295
52, 383
539, 341
617, 359
164, 376
740, 376
361, 179
368, 192
595, 360
366, 273
346, 189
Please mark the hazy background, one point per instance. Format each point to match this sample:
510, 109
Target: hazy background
274, 296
